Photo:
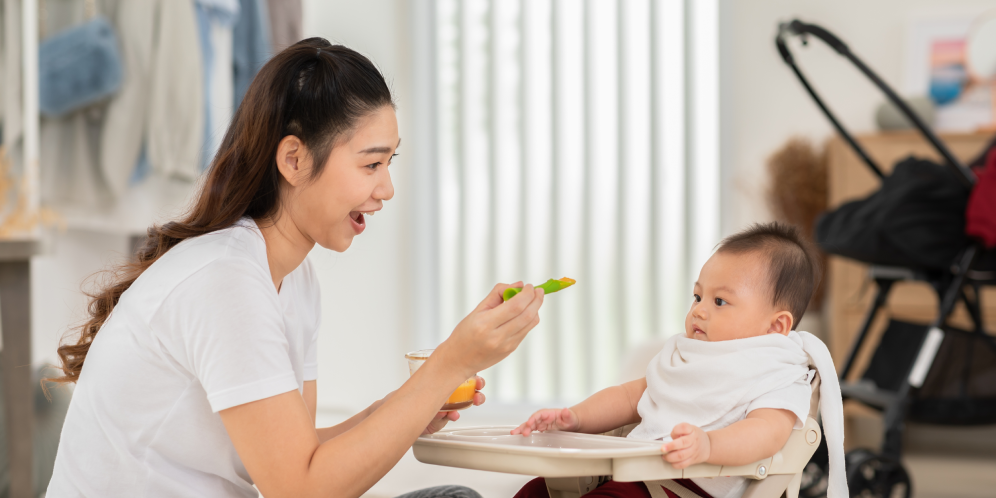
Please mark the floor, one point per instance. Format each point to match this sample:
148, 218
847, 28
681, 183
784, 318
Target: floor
410, 475
936, 476
943, 461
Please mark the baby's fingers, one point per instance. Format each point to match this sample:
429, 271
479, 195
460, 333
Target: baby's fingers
683, 463
682, 429
677, 444
526, 427
529, 425
674, 457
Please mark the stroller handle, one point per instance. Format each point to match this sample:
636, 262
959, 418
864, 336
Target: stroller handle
803, 30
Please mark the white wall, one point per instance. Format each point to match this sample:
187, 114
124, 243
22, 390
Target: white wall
57, 304
762, 102
366, 308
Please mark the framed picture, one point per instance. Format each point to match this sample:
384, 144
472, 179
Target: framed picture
936, 67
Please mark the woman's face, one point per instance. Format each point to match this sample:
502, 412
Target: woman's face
354, 184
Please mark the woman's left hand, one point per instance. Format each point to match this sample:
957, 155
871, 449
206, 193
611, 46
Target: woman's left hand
442, 418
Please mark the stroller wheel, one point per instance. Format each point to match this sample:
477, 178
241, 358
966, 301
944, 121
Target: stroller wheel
814, 481
876, 476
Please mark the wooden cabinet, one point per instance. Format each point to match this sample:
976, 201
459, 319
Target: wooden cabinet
850, 292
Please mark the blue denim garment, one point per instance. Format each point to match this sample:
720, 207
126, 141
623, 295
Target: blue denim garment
226, 13
78, 67
251, 46
207, 61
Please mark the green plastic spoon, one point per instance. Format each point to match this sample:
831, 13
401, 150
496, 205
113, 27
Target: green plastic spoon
549, 287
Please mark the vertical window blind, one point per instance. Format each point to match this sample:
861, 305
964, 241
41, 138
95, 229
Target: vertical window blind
568, 138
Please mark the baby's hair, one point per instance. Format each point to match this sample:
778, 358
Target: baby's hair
794, 270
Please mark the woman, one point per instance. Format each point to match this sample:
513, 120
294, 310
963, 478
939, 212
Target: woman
196, 370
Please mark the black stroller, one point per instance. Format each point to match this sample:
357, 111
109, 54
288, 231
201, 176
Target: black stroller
911, 229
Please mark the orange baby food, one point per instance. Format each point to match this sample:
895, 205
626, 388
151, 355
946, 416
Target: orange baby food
463, 397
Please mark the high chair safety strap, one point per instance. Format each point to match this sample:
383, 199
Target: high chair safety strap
675, 488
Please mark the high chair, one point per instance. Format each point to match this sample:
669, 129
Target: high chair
560, 457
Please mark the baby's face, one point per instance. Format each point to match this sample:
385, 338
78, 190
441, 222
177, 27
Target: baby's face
732, 300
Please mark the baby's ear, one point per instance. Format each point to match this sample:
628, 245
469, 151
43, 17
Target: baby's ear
781, 323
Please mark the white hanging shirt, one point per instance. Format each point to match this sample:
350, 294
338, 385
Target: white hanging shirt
203, 329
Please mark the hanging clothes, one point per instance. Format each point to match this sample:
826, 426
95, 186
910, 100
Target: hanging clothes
69, 159
176, 119
215, 22
10, 65
286, 23
89, 156
125, 125
251, 45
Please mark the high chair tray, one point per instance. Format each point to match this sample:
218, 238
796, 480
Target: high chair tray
569, 454
547, 454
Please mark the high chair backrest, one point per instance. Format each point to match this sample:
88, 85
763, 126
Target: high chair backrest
787, 485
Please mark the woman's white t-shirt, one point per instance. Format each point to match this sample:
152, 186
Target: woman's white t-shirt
201, 330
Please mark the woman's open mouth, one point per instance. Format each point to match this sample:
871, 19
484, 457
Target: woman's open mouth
358, 221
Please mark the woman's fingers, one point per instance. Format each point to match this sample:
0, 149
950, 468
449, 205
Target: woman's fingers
518, 326
525, 330
513, 307
438, 422
478, 395
493, 330
493, 299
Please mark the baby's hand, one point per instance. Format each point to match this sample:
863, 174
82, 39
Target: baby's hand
549, 419
689, 445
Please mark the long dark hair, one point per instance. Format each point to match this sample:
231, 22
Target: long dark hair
313, 90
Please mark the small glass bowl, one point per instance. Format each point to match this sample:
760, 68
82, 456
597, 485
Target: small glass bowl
461, 399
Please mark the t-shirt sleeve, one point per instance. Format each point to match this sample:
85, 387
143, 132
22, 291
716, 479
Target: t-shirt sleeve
224, 324
794, 398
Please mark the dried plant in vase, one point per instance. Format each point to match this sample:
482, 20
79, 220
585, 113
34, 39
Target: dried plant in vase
797, 191
15, 217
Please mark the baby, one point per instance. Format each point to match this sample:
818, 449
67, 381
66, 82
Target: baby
730, 389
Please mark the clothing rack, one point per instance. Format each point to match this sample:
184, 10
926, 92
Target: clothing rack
29, 47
